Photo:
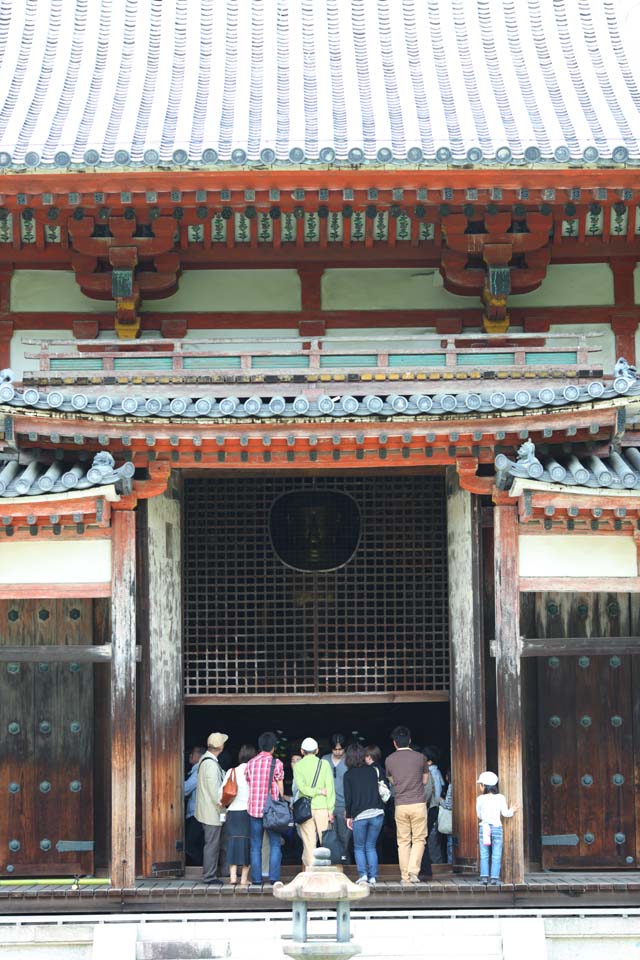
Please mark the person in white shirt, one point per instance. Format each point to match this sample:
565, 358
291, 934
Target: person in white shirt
237, 826
491, 806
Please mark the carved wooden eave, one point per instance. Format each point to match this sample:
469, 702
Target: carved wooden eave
327, 442
547, 508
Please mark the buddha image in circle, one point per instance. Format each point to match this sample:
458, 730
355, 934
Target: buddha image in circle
315, 530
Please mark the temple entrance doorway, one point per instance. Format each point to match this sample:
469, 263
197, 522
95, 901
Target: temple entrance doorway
366, 723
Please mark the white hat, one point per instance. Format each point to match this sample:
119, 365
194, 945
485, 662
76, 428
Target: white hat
309, 745
487, 779
217, 740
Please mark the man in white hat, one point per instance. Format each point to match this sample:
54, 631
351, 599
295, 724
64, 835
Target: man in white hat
314, 779
210, 777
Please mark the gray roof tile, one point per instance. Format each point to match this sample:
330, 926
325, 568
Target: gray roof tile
193, 82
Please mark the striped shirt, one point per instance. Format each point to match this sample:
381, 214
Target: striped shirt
257, 775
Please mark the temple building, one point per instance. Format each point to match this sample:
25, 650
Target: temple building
318, 333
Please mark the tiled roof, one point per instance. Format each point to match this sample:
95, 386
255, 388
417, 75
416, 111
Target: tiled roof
295, 82
40, 477
284, 405
617, 471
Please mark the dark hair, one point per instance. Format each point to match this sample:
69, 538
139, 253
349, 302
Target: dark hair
374, 752
246, 752
490, 789
337, 740
354, 756
267, 741
401, 736
198, 749
432, 754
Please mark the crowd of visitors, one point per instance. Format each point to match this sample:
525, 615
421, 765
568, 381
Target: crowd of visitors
240, 815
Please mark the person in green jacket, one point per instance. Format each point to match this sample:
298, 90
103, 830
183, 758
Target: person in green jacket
322, 795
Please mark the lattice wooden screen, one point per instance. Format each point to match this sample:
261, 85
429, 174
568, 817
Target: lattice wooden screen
255, 626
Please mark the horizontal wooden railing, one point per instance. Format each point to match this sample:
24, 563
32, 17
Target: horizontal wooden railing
283, 355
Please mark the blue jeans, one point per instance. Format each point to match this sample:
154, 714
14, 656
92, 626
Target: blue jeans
496, 854
256, 831
365, 835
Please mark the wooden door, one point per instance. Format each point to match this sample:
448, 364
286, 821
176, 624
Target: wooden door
46, 746
587, 761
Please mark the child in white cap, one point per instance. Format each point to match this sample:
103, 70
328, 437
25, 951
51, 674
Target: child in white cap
491, 806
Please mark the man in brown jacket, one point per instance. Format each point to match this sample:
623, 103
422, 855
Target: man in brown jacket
409, 772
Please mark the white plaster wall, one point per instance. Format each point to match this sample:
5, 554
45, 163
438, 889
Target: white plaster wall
577, 556
606, 357
571, 285
389, 289
56, 291
227, 290
55, 561
53, 291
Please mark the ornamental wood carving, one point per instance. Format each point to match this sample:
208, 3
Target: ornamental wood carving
124, 261
495, 256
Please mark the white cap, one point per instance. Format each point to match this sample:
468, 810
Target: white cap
309, 745
487, 779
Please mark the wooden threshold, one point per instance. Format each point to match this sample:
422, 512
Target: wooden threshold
67, 653
53, 591
256, 699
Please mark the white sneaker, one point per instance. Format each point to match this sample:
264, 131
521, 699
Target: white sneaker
362, 880
372, 881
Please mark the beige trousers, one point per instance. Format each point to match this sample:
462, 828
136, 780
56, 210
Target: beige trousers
411, 827
311, 833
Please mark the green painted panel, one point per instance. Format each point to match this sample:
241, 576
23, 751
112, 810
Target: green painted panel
211, 363
143, 363
79, 363
417, 360
542, 359
280, 363
485, 359
350, 360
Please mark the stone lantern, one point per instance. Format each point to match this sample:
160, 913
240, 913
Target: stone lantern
320, 884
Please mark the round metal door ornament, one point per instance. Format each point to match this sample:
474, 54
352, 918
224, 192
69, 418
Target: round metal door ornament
13, 668
556, 780
585, 721
615, 662
628, 860
45, 787
618, 779
619, 838
589, 838
14, 787
14, 846
45, 845
75, 786
616, 721
44, 727
554, 721
584, 662
14, 728
586, 780
75, 726
553, 662
43, 667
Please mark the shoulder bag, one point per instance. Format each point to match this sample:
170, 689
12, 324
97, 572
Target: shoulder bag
276, 815
302, 807
230, 789
384, 791
445, 821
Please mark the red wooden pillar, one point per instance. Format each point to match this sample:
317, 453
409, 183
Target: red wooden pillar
123, 699
6, 321
508, 684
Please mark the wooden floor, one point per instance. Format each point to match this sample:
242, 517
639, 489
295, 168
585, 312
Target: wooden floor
448, 891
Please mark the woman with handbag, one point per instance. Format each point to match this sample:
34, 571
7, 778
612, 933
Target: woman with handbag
445, 816
234, 795
365, 812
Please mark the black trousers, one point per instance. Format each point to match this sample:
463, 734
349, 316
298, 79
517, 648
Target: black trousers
193, 842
